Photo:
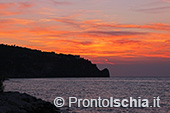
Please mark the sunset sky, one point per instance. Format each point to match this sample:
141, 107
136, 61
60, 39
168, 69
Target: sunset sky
128, 36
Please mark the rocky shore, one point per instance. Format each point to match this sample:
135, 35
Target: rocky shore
15, 102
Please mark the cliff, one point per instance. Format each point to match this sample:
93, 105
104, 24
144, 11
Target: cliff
19, 62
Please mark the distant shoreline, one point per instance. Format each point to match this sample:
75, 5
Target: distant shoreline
100, 77
139, 76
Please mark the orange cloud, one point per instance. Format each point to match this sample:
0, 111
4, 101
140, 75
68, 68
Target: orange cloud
16, 5
6, 5
15, 21
7, 9
89, 38
154, 26
23, 5
97, 24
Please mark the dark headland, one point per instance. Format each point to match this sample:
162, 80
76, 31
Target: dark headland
21, 62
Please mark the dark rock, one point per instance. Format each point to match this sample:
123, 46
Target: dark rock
14, 102
105, 72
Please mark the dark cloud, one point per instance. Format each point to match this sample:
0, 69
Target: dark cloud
68, 21
115, 33
76, 42
155, 10
60, 3
126, 41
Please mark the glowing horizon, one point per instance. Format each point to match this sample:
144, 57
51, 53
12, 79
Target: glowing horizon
106, 32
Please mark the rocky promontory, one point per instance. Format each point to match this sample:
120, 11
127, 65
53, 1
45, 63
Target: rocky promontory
15, 102
21, 62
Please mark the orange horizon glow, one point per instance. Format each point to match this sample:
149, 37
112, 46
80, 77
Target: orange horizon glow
98, 39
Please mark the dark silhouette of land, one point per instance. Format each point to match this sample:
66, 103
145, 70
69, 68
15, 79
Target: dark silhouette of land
15, 102
21, 62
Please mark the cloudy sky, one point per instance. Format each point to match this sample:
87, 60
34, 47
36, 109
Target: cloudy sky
130, 37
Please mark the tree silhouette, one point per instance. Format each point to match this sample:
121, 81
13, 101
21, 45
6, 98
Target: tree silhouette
21, 62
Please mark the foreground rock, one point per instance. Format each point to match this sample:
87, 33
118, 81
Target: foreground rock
14, 102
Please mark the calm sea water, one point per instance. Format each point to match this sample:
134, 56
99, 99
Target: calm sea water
49, 88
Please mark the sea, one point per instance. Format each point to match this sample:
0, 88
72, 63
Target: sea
91, 88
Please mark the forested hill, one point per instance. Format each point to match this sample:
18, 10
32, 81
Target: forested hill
21, 62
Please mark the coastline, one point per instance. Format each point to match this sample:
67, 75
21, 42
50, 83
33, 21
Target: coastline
120, 88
